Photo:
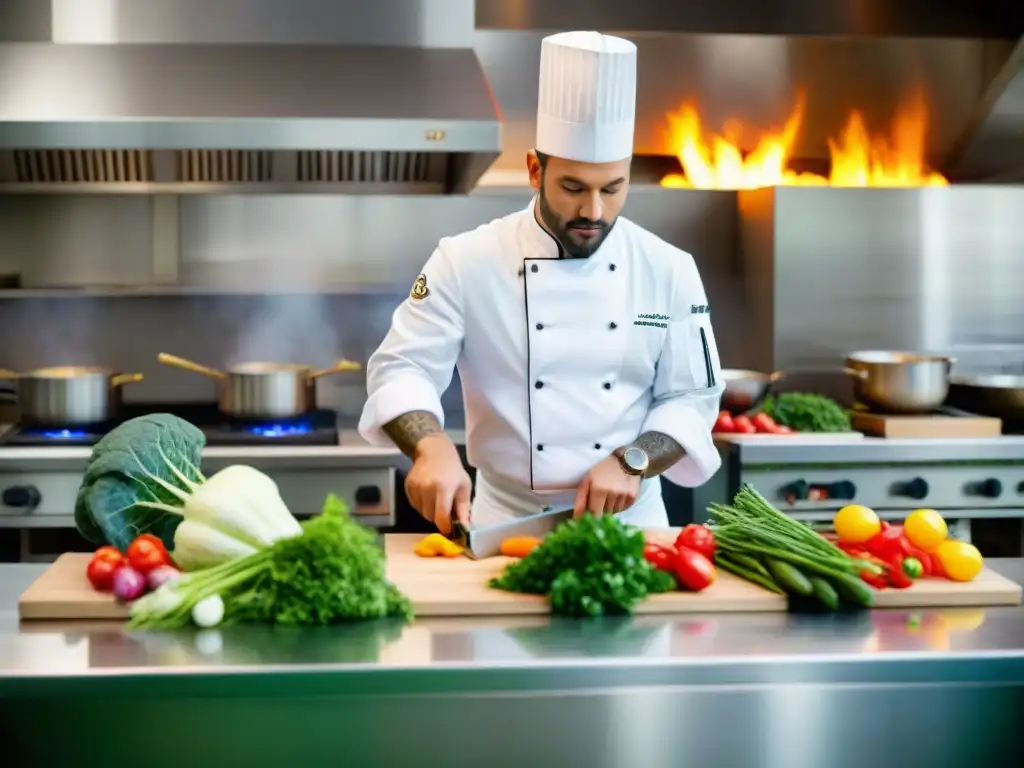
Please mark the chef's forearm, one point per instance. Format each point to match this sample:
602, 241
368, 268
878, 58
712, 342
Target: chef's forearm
662, 452
408, 429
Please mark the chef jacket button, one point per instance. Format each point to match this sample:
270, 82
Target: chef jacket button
597, 446
539, 385
540, 326
607, 385
534, 268
540, 446
613, 326
611, 267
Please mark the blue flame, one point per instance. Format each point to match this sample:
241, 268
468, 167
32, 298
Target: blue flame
60, 434
286, 429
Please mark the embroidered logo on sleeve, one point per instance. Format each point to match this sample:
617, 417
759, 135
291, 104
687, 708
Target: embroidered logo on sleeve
652, 320
700, 309
419, 289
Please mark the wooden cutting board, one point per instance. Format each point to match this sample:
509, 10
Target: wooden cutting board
437, 586
458, 587
440, 586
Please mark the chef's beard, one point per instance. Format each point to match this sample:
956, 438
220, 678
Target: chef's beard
560, 230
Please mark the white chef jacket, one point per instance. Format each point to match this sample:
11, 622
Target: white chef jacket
561, 361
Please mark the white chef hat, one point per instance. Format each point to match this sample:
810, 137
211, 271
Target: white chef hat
587, 102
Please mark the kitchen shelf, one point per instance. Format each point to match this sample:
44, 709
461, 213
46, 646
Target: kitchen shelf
129, 292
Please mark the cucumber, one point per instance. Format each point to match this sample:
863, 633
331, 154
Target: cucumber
728, 563
825, 593
853, 590
790, 578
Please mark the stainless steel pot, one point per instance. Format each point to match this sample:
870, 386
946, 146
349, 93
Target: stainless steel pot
68, 396
746, 390
995, 395
899, 382
263, 391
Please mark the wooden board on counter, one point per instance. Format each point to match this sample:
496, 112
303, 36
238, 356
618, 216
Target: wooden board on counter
458, 587
441, 586
935, 426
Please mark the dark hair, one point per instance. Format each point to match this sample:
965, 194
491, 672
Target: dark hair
542, 159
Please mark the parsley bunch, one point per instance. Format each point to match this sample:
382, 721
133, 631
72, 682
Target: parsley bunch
587, 567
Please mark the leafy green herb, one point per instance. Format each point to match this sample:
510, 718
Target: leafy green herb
588, 567
805, 412
334, 571
132, 464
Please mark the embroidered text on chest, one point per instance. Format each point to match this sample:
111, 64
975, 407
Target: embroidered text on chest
652, 320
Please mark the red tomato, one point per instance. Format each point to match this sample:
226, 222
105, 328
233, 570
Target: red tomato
743, 425
782, 429
113, 554
724, 423
661, 557
699, 538
694, 571
765, 424
101, 574
146, 553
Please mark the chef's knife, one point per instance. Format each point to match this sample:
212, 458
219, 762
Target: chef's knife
486, 542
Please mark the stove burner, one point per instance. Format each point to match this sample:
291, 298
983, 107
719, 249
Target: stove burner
58, 434
282, 429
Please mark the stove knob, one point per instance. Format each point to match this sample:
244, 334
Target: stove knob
368, 494
990, 488
796, 491
915, 489
1020, 487
21, 496
843, 490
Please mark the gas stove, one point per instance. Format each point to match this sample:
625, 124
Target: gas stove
977, 484
318, 427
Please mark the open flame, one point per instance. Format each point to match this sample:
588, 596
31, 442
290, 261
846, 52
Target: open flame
858, 158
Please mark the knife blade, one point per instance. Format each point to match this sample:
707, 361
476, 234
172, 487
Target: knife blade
480, 543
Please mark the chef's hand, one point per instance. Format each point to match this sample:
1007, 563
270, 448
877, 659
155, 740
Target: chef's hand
437, 485
606, 490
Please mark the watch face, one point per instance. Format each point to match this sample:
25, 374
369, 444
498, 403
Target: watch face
635, 459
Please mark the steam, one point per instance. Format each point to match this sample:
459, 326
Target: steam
287, 329
41, 333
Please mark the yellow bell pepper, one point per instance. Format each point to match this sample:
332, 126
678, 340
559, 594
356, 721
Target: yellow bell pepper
436, 545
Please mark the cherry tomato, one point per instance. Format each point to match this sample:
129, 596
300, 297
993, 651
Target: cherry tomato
661, 557
765, 424
743, 425
146, 553
699, 538
724, 423
694, 571
113, 554
100, 573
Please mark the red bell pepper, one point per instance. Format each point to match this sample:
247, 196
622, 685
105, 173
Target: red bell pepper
887, 544
878, 581
898, 578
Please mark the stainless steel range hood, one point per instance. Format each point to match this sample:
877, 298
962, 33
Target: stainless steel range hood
200, 118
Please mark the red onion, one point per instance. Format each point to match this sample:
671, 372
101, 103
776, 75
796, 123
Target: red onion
160, 576
128, 583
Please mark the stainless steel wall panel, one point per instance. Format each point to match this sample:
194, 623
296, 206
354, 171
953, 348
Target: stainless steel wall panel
934, 269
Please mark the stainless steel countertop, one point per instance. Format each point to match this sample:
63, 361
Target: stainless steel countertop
880, 646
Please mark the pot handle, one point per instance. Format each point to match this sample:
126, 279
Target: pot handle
862, 375
5, 374
188, 365
776, 377
342, 366
125, 378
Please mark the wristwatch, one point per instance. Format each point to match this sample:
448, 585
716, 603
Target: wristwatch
634, 460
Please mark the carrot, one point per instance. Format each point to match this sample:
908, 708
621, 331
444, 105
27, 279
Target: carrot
519, 546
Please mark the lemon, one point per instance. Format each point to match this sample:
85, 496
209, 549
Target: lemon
855, 524
960, 561
925, 528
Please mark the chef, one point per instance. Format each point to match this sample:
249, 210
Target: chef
583, 342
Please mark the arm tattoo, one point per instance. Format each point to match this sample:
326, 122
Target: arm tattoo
662, 451
407, 430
